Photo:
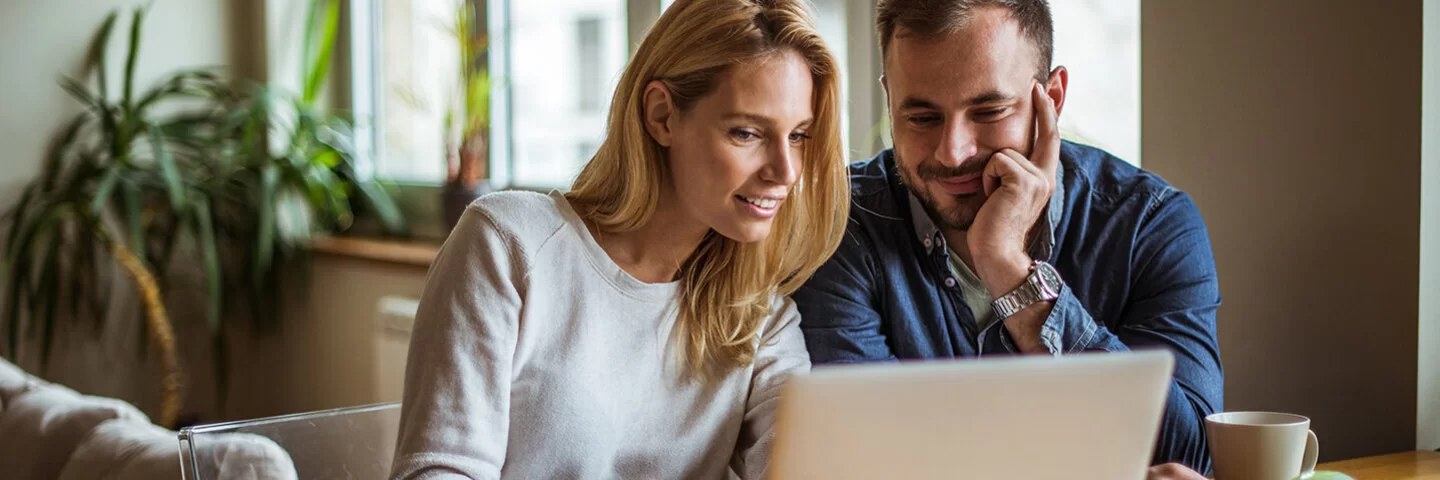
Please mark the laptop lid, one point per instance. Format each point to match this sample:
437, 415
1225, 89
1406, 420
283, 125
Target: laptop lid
1077, 416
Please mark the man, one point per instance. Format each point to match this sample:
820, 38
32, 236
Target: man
983, 233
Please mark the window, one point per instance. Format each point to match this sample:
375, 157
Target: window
592, 83
565, 58
555, 63
1099, 42
415, 81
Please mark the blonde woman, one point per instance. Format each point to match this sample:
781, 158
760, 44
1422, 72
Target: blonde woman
639, 325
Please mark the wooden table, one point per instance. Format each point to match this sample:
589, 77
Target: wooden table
1407, 465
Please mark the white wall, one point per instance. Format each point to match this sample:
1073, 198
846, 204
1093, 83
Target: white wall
1294, 125
43, 39
1427, 434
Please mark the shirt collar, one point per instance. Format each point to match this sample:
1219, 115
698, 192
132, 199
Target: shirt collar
929, 234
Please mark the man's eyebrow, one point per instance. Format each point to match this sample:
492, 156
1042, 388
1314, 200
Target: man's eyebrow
918, 103
993, 96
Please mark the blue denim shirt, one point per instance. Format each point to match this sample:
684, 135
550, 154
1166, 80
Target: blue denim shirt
1133, 251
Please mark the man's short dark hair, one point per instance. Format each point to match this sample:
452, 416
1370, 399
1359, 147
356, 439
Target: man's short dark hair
932, 18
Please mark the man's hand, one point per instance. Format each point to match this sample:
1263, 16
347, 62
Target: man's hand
1172, 471
1017, 190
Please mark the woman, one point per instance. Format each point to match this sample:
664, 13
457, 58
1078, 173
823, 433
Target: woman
638, 326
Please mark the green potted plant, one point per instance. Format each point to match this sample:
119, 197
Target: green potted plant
112, 184
469, 118
242, 174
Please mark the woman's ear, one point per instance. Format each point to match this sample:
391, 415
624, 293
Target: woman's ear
658, 111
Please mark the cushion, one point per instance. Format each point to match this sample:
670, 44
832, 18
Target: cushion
45, 424
13, 381
241, 456
123, 449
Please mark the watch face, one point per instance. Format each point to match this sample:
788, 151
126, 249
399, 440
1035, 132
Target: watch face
1050, 281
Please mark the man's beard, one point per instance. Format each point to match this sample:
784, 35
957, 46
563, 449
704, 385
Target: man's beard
959, 216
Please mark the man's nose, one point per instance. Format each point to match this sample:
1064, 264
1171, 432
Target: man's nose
957, 144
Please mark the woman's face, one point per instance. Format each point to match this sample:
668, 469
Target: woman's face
736, 154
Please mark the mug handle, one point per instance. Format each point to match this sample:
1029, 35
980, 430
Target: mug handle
1312, 453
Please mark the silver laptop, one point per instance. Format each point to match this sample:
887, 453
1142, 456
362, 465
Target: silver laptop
1075, 417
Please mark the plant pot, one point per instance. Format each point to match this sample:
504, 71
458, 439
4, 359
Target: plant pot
456, 196
467, 178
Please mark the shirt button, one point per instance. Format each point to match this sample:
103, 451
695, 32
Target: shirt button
928, 243
950, 282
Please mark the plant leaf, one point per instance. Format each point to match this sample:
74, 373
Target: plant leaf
19, 283
174, 184
96, 56
48, 291
328, 158
133, 56
134, 221
383, 206
18, 217
194, 83
77, 90
318, 66
209, 253
265, 231
105, 190
43, 242
58, 148
48, 214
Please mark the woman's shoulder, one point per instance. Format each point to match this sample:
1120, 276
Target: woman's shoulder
525, 218
782, 312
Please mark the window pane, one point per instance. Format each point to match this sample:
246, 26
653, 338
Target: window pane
565, 59
417, 76
1099, 42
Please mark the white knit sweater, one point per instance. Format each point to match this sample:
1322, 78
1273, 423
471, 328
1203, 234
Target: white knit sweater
535, 356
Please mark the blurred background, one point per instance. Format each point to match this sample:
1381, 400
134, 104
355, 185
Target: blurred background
250, 191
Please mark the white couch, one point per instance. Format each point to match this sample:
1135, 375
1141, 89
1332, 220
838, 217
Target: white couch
48, 431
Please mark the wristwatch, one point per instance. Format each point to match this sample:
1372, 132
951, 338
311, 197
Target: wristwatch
1043, 285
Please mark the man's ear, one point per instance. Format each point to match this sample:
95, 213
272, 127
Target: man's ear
1056, 87
659, 109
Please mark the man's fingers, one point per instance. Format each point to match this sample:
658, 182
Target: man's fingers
1046, 153
1172, 471
1028, 166
1004, 167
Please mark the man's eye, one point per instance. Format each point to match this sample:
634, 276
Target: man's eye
990, 113
924, 119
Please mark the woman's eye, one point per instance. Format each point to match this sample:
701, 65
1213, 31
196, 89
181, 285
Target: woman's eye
743, 135
799, 137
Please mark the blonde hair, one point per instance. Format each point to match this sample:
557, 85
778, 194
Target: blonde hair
725, 286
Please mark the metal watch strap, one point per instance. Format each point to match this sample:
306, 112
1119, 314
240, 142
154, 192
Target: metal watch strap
1041, 285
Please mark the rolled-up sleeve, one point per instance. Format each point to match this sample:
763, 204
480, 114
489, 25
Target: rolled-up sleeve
1172, 305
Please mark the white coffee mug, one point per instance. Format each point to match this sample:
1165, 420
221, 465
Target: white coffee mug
1261, 446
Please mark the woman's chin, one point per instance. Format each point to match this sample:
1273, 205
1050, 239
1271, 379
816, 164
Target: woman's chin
749, 232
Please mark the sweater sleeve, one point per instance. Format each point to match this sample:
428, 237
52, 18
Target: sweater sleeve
781, 355
455, 415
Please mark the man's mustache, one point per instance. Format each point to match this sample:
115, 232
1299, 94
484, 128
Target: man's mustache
930, 170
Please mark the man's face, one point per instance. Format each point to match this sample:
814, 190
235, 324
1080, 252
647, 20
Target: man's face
955, 100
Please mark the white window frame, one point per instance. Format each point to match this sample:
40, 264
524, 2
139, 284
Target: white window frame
861, 88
